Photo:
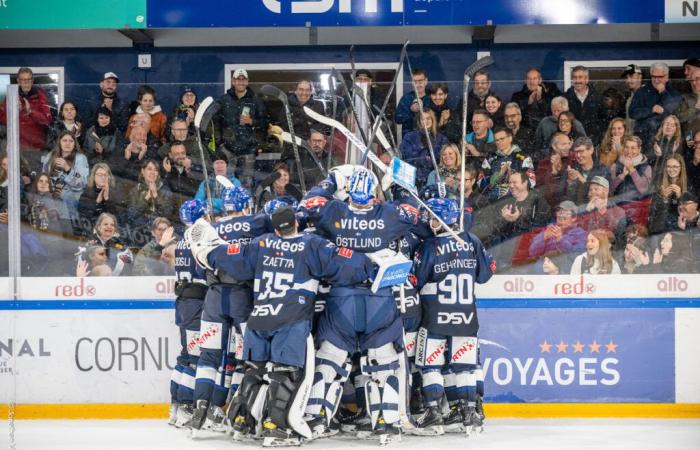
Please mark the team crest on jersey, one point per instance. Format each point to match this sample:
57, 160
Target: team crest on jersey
493, 266
262, 243
337, 224
314, 202
233, 249
345, 252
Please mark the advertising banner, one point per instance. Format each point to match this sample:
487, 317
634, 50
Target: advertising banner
578, 355
53, 14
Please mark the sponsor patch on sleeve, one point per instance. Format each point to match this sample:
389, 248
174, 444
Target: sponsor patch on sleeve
345, 252
233, 249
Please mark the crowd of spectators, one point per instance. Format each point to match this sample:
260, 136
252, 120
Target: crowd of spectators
579, 181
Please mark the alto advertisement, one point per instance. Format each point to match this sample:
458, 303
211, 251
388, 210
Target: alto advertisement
578, 355
300, 13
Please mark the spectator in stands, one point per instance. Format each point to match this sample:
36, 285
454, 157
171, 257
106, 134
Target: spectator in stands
185, 110
106, 234
663, 215
312, 165
631, 175
449, 120
148, 260
103, 139
601, 213
689, 111
551, 174
559, 242
415, 149
636, 256
303, 96
276, 185
47, 210
692, 164
179, 133
586, 103
523, 134
583, 169
667, 141
68, 169
565, 124
67, 120
150, 198
613, 105
598, 258
34, 117
126, 164
219, 168
146, 97
450, 168
534, 99
611, 145
408, 105
102, 195
549, 125
494, 106
481, 88
633, 80
374, 99
241, 115
498, 166
95, 258
480, 142
673, 254
181, 175
143, 120
109, 99
653, 102
688, 218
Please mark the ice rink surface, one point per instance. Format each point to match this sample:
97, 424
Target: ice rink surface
516, 434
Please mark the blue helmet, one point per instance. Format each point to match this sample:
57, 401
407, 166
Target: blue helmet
276, 203
191, 210
445, 208
235, 199
362, 186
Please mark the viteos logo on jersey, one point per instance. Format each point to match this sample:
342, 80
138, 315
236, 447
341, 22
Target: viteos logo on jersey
323, 6
360, 224
283, 245
455, 318
454, 246
228, 227
266, 310
587, 363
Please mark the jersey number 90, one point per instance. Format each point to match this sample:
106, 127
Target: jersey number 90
456, 288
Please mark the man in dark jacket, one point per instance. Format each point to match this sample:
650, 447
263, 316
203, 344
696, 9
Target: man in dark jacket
240, 117
586, 104
181, 175
534, 98
303, 96
109, 99
408, 105
652, 103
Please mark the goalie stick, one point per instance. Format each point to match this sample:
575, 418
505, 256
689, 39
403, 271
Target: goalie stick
206, 111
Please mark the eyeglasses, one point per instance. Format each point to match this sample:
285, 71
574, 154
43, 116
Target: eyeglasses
478, 121
511, 116
674, 167
179, 129
658, 77
25, 79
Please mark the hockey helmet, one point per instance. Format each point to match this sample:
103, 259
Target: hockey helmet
191, 210
235, 199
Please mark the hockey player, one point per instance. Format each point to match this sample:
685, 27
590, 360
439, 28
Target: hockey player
286, 267
226, 306
446, 271
190, 289
355, 317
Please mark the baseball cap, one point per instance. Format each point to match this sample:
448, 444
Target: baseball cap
240, 73
602, 181
568, 205
694, 62
364, 72
283, 219
109, 75
631, 69
688, 196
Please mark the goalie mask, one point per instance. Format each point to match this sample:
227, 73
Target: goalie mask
191, 210
362, 186
235, 199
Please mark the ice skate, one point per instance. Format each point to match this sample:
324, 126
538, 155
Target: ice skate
363, 427
429, 423
480, 408
199, 416
215, 421
274, 436
320, 427
184, 415
472, 421
386, 433
453, 420
348, 419
172, 417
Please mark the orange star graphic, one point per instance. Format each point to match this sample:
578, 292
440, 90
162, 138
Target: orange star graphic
561, 347
545, 347
611, 347
578, 346
594, 347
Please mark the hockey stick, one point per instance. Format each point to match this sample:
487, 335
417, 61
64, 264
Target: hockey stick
476, 66
206, 111
379, 165
349, 98
441, 186
287, 137
334, 111
272, 91
379, 118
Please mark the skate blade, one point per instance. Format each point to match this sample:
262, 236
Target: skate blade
436, 430
366, 435
454, 428
276, 442
386, 439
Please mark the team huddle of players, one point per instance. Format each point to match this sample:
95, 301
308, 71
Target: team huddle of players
286, 339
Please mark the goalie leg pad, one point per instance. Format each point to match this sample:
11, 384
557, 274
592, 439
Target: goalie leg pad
250, 389
332, 371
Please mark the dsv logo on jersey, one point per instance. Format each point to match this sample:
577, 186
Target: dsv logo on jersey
323, 6
455, 318
266, 310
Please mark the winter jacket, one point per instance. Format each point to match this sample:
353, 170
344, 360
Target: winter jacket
216, 189
415, 152
32, 125
633, 186
495, 185
58, 127
552, 187
573, 240
404, 116
240, 139
159, 122
543, 134
119, 256
90, 210
591, 112
577, 191
142, 212
534, 212
689, 114
452, 129
121, 111
74, 181
535, 112
663, 215
647, 121
300, 120
109, 138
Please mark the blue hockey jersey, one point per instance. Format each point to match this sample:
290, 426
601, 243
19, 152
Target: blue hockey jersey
186, 268
242, 229
287, 273
446, 271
